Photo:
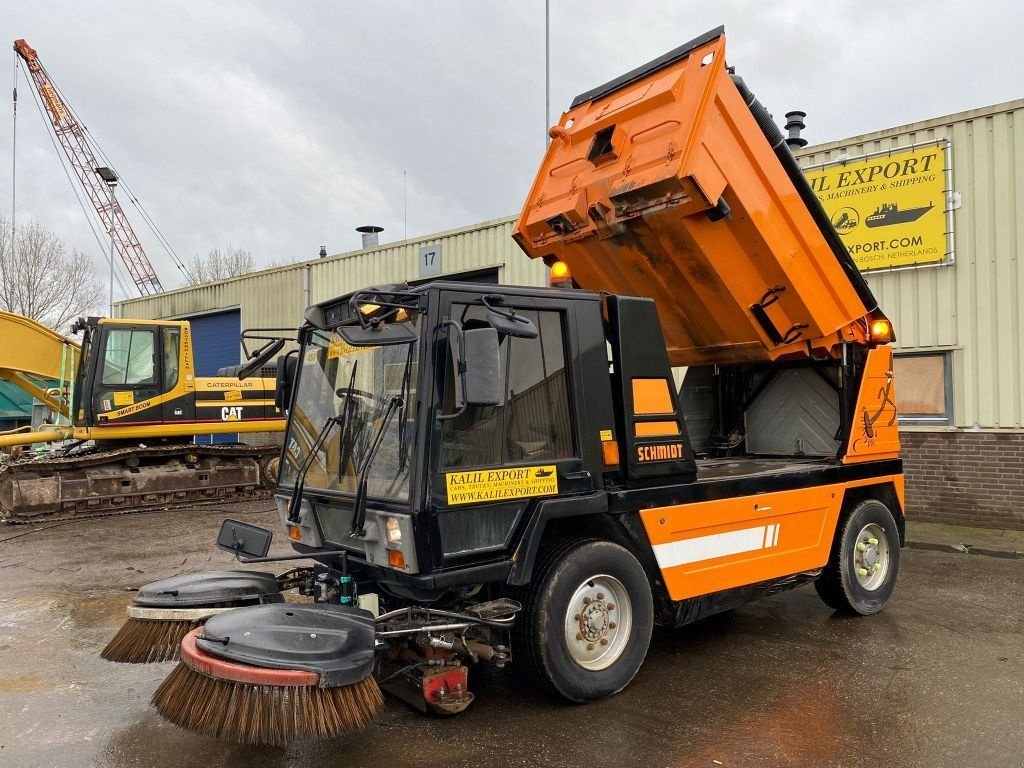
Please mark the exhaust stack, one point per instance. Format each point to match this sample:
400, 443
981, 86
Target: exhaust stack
795, 124
370, 235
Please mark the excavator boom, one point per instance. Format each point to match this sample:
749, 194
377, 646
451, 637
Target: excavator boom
32, 357
673, 182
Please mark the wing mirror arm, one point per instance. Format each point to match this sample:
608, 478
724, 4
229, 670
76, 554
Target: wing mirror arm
260, 358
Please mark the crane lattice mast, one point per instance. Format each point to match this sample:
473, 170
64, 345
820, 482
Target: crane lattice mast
72, 139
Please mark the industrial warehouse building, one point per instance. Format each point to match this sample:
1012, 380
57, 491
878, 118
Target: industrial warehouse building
943, 265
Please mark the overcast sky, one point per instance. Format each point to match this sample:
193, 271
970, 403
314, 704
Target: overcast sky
279, 127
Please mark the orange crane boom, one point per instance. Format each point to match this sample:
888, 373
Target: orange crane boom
72, 138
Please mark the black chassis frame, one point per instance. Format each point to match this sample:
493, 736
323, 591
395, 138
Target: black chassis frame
594, 499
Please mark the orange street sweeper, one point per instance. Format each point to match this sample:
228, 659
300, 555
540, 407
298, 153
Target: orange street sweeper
509, 475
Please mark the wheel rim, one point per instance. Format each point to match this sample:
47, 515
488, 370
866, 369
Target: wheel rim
598, 622
871, 557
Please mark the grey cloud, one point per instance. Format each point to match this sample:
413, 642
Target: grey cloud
278, 127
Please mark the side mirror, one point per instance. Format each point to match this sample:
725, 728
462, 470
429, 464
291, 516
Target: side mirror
481, 385
260, 358
475, 360
286, 365
511, 324
244, 539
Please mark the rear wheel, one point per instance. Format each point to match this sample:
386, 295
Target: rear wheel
861, 572
587, 620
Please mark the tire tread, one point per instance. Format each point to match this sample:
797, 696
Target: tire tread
833, 586
524, 636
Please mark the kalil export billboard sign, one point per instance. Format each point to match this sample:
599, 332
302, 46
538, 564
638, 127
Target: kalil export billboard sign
890, 209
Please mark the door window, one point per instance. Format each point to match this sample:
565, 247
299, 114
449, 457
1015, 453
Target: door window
129, 358
531, 422
172, 340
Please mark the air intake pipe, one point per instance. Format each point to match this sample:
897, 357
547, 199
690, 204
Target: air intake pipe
795, 124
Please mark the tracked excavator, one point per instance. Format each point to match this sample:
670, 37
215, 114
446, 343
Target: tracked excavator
127, 403
481, 474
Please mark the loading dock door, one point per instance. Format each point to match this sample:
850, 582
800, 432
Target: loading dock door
216, 345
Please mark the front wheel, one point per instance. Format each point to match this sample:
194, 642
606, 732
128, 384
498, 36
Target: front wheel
587, 620
861, 572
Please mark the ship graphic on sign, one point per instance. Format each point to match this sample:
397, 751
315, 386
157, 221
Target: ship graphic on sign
888, 214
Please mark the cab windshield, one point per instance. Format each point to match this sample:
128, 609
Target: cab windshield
368, 392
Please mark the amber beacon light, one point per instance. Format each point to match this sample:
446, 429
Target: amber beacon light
881, 331
561, 277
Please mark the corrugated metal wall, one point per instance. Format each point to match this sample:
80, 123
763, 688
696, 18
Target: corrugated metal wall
275, 297
974, 307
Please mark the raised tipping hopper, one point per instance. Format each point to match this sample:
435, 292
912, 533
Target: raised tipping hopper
673, 182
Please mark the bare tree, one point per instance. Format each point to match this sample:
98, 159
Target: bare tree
41, 280
220, 265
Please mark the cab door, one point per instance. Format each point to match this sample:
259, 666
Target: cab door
490, 465
177, 382
127, 375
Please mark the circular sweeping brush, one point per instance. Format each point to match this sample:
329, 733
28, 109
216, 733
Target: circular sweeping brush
154, 634
327, 689
164, 611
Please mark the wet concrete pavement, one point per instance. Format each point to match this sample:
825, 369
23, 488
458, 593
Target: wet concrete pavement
935, 680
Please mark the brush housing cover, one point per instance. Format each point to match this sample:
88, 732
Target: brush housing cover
334, 641
210, 589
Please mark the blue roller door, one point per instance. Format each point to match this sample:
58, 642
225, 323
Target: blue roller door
215, 344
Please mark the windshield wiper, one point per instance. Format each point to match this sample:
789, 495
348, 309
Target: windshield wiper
347, 409
359, 507
295, 503
343, 418
403, 430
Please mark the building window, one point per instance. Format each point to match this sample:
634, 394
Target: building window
924, 390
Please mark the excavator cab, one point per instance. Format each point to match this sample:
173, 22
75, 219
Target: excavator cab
133, 371
136, 373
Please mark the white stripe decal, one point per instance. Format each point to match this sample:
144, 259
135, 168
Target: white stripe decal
715, 545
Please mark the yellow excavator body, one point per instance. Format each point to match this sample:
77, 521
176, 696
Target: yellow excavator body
130, 402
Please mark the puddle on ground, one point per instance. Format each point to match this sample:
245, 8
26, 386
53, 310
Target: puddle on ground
22, 684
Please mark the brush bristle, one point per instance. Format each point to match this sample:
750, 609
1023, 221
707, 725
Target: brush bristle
264, 714
141, 641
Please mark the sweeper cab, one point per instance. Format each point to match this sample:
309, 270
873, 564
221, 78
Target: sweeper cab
510, 475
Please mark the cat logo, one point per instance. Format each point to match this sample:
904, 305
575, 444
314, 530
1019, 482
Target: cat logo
231, 413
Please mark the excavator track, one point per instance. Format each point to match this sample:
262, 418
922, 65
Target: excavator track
111, 481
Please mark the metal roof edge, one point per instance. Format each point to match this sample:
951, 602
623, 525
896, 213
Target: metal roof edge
922, 125
430, 238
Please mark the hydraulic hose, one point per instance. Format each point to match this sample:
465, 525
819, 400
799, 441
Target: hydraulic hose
777, 140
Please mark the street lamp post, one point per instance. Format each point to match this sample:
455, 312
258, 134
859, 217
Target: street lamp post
110, 179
